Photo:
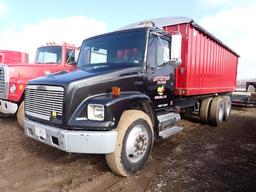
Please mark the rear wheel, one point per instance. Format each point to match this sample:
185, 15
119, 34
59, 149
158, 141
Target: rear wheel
227, 107
134, 143
21, 115
204, 109
216, 111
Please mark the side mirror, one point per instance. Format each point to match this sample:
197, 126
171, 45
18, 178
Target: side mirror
176, 50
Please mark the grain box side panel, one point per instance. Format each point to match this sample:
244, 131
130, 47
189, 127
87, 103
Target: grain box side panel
180, 72
208, 67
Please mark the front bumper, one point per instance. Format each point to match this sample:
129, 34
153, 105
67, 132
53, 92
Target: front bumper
7, 107
96, 142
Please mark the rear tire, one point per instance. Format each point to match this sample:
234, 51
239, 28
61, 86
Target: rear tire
227, 107
205, 109
21, 115
134, 143
216, 111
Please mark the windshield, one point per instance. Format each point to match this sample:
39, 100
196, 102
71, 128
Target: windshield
48, 54
114, 50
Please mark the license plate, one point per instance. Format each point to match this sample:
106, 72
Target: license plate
40, 132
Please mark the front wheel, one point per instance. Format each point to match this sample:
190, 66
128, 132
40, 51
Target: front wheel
134, 143
21, 115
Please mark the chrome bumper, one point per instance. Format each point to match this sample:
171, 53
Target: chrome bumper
7, 107
96, 142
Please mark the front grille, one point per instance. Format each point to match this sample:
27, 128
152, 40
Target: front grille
44, 102
3, 82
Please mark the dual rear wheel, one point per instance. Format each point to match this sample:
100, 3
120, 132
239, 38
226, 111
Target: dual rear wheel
215, 110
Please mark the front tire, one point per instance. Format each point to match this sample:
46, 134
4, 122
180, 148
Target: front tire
134, 143
21, 115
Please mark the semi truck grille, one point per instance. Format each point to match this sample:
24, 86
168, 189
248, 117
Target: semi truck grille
44, 102
3, 82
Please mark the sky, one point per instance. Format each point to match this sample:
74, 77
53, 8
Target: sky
27, 24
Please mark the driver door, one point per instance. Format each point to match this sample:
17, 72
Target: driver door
160, 71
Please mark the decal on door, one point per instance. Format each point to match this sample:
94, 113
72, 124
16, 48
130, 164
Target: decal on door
161, 79
160, 91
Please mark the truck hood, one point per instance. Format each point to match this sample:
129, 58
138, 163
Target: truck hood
19, 72
85, 76
26, 65
83, 83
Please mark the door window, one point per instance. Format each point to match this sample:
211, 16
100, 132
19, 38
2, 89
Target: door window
159, 51
70, 56
163, 51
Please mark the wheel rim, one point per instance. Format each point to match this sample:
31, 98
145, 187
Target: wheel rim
137, 143
221, 111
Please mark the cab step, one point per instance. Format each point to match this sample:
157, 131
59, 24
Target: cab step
170, 131
167, 124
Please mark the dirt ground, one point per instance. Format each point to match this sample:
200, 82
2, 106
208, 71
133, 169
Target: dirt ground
201, 158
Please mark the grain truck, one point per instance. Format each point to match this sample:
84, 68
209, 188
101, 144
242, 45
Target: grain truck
14, 74
129, 90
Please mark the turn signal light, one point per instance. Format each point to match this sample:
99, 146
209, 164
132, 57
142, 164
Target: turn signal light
116, 91
21, 87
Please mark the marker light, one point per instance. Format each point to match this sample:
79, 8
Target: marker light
21, 87
116, 91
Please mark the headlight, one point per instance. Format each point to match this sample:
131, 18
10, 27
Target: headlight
95, 112
12, 88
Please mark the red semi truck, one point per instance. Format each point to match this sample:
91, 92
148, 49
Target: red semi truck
129, 90
16, 72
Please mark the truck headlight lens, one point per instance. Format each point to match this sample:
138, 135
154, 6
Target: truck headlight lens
12, 88
95, 112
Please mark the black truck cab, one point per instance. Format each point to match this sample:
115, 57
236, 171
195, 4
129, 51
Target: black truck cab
118, 100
